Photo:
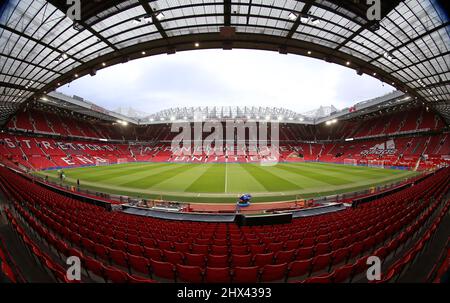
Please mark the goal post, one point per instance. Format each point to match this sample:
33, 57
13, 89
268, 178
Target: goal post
122, 160
102, 162
375, 163
350, 162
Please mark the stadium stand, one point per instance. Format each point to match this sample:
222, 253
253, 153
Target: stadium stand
328, 248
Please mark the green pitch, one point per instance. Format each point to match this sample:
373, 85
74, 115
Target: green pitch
224, 182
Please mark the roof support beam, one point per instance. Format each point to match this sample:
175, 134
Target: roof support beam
443, 25
30, 63
227, 12
61, 5
422, 61
23, 35
305, 10
434, 85
149, 10
15, 86
100, 37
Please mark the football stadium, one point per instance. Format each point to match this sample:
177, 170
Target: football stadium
262, 189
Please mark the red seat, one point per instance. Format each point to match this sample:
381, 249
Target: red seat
139, 264
190, 274
337, 243
219, 250
135, 249
245, 274
326, 278
182, 247
284, 256
75, 239
239, 250
200, 249
119, 244
173, 257
153, 253
88, 245
136, 279
308, 242
75, 252
263, 259
343, 274
104, 239
118, 257
167, 245
162, 269
272, 273
148, 242
217, 275
339, 255
220, 242
241, 260
94, 266
322, 248
115, 275
323, 239
195, 259
275, 247
134, 239
321, 262
62, 248
101, 251
299, 268
217, 261
356, 249
304, 253
292, 244
257, 249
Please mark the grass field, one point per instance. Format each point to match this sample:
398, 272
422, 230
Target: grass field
224, 182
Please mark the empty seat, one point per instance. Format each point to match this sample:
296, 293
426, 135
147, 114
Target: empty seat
263, 259
246, 274
217, 275
304, 253
162, 269
217, 260
284, 256
343, 274
321, 262
299, 268
272, 273
195, 259
173, 257
153, 253
241, 260
190, 274
139, 264
115, 275
118, 257
326, 278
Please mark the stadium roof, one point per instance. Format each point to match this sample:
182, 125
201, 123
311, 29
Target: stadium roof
41, 48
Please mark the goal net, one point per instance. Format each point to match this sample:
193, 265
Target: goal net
102, 162
375, 163
350, 162
122, 160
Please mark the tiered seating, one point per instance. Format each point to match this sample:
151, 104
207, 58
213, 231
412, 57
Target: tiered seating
21, 121
6, 272
332, 247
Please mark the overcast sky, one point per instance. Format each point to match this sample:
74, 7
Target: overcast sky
224, 77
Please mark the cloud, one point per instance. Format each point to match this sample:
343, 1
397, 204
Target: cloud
221, 78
